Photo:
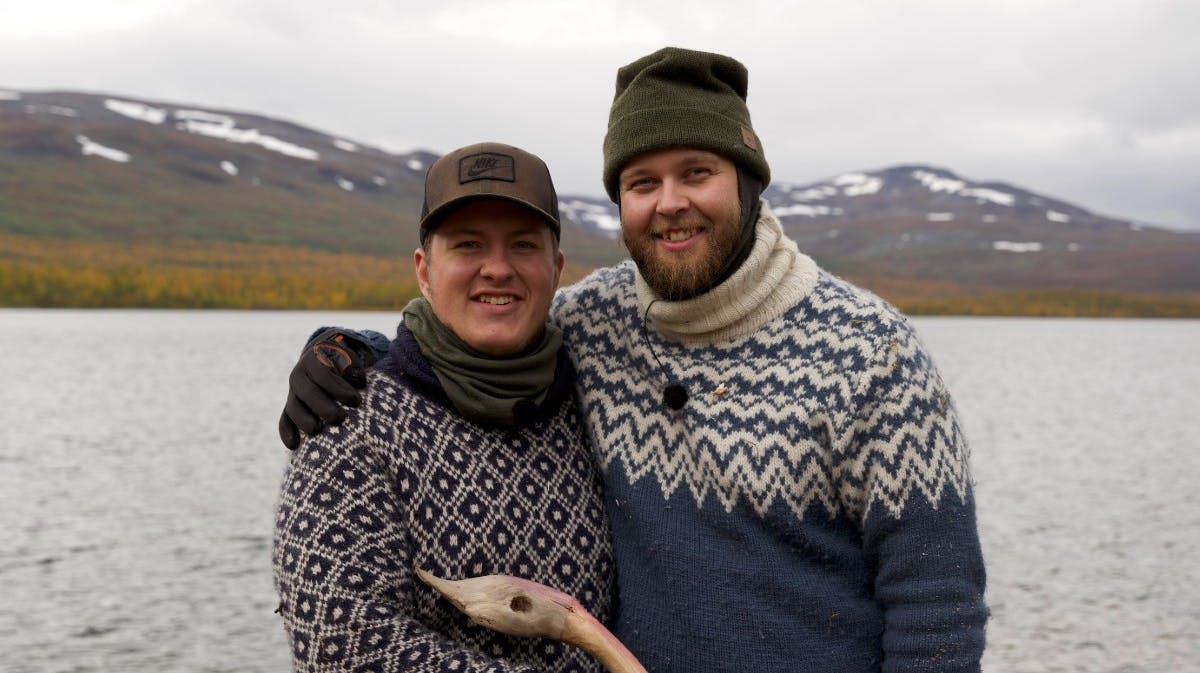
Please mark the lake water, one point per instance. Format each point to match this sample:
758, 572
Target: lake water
139, 466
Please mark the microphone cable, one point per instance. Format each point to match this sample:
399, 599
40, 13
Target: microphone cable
674, 394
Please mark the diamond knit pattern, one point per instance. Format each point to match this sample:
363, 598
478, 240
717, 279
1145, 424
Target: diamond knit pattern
406, 482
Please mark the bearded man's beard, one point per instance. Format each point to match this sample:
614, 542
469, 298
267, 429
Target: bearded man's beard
675, 277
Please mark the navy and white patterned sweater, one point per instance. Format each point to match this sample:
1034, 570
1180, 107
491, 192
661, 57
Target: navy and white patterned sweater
810, 507
406, 481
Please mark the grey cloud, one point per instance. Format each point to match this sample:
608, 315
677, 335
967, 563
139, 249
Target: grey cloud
1057, 97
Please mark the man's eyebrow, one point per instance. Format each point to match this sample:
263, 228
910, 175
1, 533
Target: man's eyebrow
686, 161
633, 173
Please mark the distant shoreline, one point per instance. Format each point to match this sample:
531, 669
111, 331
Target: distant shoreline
71, 273
1031, 304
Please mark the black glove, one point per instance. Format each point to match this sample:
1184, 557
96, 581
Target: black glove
328, 375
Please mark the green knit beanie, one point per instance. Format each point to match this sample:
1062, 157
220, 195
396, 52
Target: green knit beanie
681, 98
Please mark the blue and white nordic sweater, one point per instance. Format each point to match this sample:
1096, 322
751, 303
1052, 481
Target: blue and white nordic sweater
406, 481
810, 507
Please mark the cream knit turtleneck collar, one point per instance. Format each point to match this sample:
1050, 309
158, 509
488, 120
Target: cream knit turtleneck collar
772, 279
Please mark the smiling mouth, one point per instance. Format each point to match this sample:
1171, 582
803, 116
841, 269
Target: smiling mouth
496, 299
676, 235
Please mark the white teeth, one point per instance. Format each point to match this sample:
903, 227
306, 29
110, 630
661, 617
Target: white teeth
495, 300
678, 234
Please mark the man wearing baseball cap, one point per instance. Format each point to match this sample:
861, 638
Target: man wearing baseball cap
465, 456
786, 479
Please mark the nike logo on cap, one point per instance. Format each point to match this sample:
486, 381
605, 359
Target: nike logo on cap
487, 166
481, 166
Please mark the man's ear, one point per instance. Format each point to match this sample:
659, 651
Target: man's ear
421, 261
558, 267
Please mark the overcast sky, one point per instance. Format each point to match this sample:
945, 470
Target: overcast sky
1093, 101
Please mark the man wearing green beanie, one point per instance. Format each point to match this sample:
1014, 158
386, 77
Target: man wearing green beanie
785, 477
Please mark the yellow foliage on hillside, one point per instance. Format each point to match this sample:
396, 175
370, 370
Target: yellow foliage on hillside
73, 273
200, 274
191, 274
1065, 302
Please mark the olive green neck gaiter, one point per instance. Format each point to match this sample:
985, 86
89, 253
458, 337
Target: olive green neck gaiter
483, 388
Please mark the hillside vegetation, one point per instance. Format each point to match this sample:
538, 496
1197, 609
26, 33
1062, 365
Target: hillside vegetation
42, 272
64, 273
119, 203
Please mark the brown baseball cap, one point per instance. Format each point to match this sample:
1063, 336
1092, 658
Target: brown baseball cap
488, 170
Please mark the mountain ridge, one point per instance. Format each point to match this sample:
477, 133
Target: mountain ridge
102, 167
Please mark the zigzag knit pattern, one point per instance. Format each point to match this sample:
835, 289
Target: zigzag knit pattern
405, 482
809, 508
834, 403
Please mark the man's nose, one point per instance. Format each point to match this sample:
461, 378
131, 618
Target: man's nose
497, 264
671, 198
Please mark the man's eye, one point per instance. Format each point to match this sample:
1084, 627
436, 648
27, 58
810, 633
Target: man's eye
639, 185
698, 172
466, 245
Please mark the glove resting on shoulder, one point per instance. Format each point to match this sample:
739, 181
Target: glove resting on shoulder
331, 370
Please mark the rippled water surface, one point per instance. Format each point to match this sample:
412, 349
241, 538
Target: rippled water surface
139, 467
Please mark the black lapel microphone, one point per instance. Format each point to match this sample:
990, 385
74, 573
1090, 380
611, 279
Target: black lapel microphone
674, 395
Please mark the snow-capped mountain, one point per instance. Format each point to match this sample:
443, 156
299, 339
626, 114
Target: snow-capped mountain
107, 167
238, 130
934, 194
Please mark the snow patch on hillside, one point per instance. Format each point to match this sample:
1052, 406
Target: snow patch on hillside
936, 183
223, 127
810, 194
590, 213
91, 147
858, 184
203, 116
805, 210
1011, 246
59, 110
984, 194
135, 110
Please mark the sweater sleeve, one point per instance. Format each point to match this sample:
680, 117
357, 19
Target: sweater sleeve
918, 513
343, 568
